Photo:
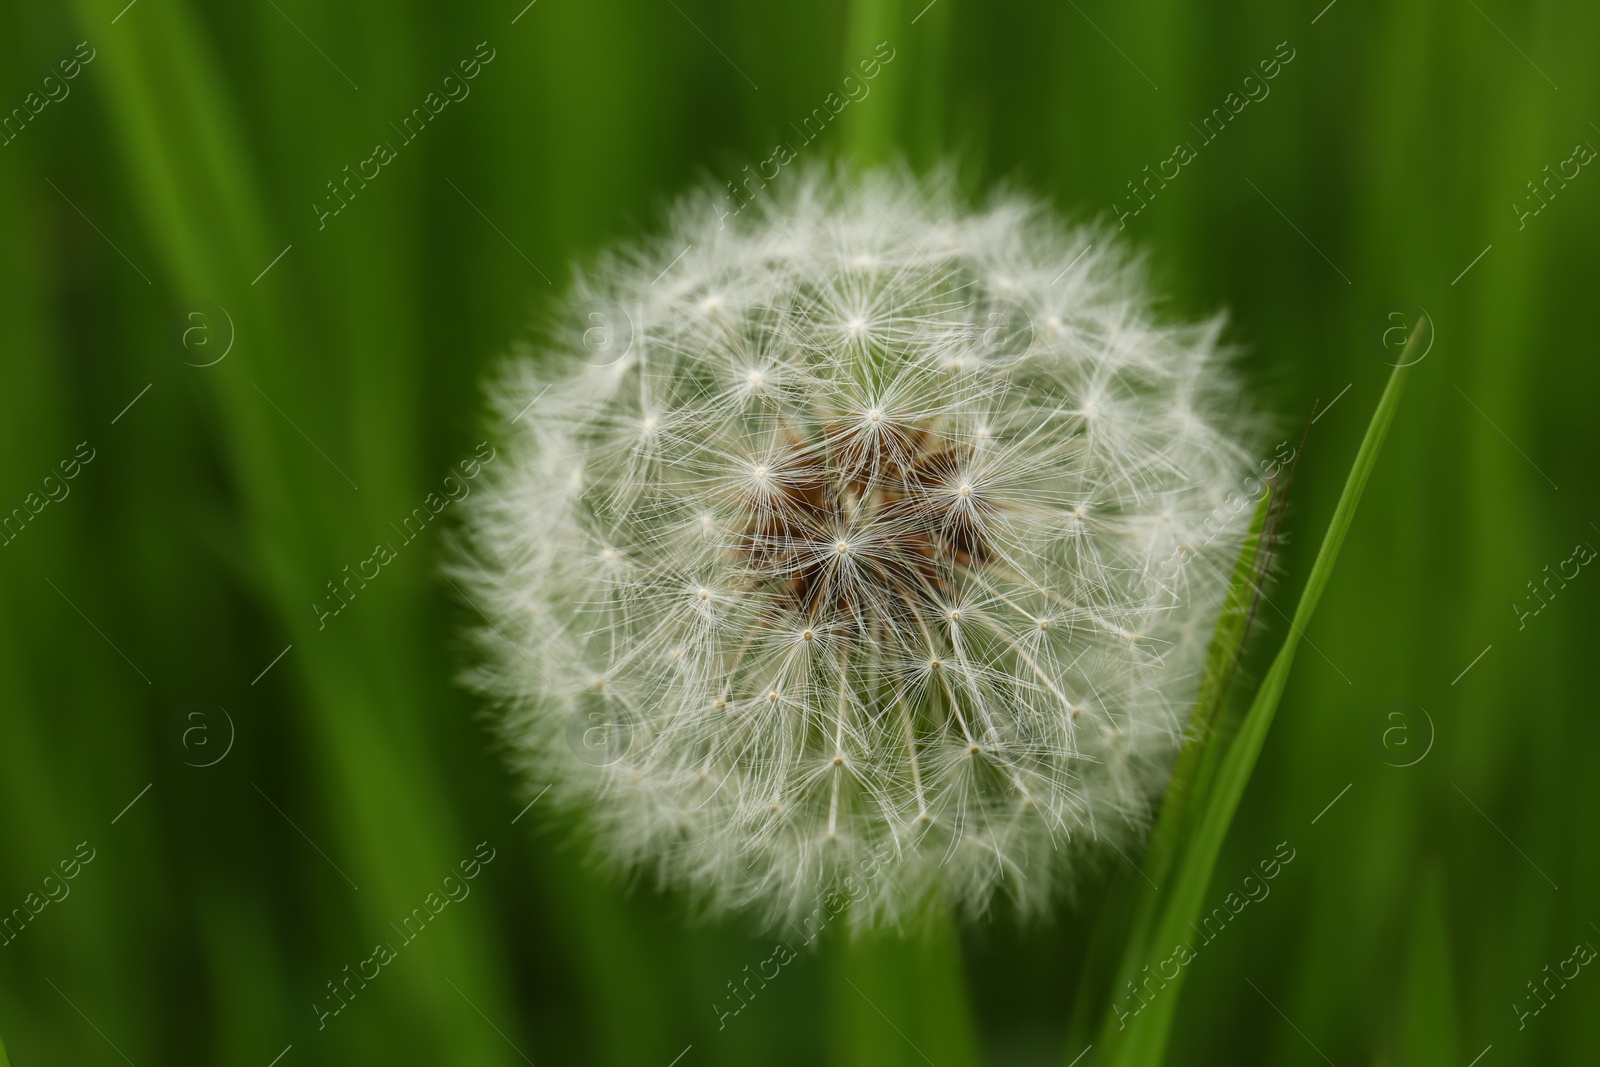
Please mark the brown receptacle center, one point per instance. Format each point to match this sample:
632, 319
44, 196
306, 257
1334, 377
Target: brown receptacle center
901, 493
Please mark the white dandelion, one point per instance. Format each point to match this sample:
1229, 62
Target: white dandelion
872, 552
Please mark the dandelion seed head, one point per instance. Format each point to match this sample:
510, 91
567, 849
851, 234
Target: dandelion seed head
888, 577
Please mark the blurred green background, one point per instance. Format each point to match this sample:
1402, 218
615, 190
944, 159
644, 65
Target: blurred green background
174, 175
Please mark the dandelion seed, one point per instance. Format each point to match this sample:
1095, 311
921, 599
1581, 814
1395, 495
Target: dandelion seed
875, 583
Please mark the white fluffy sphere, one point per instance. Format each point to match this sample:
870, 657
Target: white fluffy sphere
859, 543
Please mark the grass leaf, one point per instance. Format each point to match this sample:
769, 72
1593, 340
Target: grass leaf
1141, 1039
1193, 770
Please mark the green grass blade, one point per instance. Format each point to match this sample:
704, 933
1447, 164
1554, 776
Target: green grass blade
1144, 1038
1189, 778
1222, 658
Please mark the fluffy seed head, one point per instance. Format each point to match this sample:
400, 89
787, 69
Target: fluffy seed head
862, 543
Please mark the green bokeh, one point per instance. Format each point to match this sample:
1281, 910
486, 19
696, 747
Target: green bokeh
188, 153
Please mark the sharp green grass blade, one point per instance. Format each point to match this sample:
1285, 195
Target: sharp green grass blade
1142, 1038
